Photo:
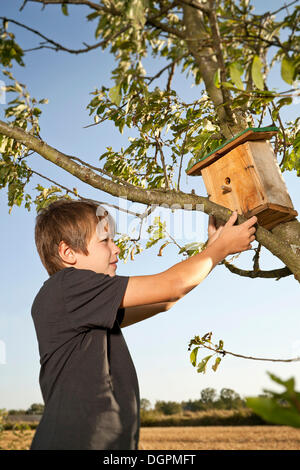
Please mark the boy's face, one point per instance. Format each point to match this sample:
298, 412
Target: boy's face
102, 257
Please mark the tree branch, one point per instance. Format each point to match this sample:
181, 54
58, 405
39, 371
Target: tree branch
113, 11
59, 47
256, 258
171, 75
92, 5
191, 3
282, 8
68, 190
277, 246
217, 45
275, 273
163, 162
166, 28
203, 342
160, 72
104, 172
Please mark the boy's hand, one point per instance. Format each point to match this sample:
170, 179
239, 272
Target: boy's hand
213, 231
236, 238
172, 284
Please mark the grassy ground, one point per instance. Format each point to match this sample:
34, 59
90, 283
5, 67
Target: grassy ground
192, 438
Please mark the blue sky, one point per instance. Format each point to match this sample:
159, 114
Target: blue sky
253, 317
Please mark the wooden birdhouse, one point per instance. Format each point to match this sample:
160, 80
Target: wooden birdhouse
243, 175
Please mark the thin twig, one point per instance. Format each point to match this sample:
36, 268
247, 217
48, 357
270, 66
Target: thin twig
256, 258
283, 136
59, 47
163, 163
171, 75
120, 180
282, 8
141, 216
173, 239
223, 352
182, 152
23, 5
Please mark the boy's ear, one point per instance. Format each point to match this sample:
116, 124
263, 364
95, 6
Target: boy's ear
66, 253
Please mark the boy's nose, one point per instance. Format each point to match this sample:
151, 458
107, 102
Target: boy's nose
116, 249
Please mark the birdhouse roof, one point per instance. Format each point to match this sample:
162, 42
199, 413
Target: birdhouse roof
251, 133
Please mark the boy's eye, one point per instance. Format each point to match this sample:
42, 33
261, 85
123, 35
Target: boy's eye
106, 240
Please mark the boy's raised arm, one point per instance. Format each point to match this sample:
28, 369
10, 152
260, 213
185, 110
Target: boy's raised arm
177, 281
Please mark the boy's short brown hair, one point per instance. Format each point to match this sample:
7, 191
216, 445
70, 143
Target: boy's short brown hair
73, 222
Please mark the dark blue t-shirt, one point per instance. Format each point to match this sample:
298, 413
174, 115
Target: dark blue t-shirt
87, 377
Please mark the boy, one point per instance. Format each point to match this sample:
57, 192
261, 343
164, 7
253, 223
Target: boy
87, 377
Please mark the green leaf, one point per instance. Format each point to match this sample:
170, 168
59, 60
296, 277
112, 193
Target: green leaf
271, 411
217, 78
216, 364
287, 70
92, 16
203, 363
136, 12
289, 384
236, 71
64, 9
193, 356
189, 247
256, 72
229, 85
115, 95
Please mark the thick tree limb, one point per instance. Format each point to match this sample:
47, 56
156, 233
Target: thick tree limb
217, 46
206, 59
277, 246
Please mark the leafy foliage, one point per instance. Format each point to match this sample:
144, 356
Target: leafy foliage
205, 342
35, 409
9, 49
166, 132
168, 407
15, 174
3, 414
278, 408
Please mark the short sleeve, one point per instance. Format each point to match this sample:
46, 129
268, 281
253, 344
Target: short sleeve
92, 299
120, 315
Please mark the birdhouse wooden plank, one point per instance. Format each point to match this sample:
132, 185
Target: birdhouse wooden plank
243, 175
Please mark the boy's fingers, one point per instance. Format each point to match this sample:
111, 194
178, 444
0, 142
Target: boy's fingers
211, 225
211, 220
232, 218
251, 221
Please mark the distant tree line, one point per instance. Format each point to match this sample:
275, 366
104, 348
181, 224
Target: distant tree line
227, 399
34, 409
